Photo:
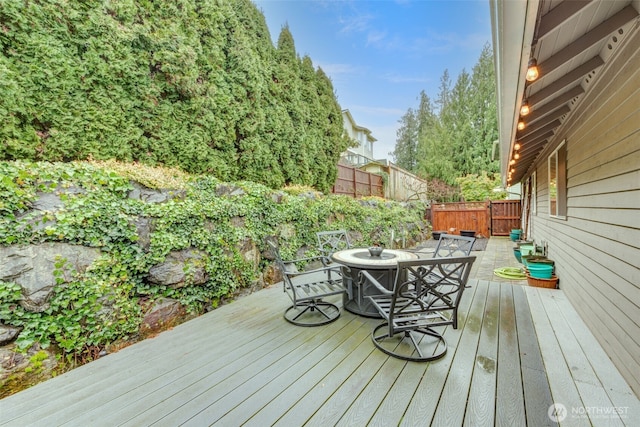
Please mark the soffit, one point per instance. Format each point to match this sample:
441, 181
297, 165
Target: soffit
571, 40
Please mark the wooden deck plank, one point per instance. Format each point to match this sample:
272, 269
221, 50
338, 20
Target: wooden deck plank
321, 360
241, 378
535, 384
152, 396
242, 364
162, 383
134, 364
590, 368
482, 395
509, 393
563, 389
302, 410
452, 405
422, 407
335, 407
396, 400
146, 386
367, 403
614, 384
282, 400
589, 387
420, 382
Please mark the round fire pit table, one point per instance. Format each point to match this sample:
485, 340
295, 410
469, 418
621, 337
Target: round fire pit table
382, 267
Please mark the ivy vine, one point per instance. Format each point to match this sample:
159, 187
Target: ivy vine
89, 310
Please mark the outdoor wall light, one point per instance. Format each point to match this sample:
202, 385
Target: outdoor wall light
524, 109
512, 162
516, 156
516, 146
532, 70
521, 125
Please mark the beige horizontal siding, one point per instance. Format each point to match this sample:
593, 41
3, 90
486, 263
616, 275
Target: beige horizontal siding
597, 246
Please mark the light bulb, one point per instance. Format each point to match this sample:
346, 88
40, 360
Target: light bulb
532, 70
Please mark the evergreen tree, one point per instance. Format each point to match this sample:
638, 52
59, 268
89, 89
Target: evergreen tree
196, 84
405, 152
483, 114
455, 136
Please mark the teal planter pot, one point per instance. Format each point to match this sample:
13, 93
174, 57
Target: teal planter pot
516, 253
526, 249
540, 271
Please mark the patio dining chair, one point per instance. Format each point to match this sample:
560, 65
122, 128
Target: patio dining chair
448, 245
307, 289
451, 245
425, 296
332, 241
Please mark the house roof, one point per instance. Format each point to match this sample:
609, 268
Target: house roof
572, 40
366, 131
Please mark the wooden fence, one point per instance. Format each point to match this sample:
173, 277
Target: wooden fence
490, 218
357, 183
454, 217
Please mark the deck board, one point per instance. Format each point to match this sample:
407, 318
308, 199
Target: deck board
589, 387
422, 407
509, 393
563, 388
451, 407
314, 378
612, 381
243, 364
536, 389
482, 397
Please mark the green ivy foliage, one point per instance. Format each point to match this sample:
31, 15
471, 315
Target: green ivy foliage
213, 216
194, 84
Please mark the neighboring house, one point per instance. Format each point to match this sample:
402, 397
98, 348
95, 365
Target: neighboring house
400, 184
363, 153
578, 158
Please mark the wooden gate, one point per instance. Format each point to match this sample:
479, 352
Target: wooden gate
505, 215
453, 217
495, 218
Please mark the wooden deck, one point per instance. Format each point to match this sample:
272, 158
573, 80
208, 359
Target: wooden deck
517, 350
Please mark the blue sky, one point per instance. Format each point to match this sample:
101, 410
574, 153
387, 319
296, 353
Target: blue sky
381, 54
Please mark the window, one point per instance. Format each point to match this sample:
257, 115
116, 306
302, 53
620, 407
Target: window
558, 182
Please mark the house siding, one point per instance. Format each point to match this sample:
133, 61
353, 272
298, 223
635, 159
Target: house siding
597, 245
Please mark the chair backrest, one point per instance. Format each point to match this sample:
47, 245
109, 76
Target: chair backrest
429, 285
451, 245
332, 241
286, 268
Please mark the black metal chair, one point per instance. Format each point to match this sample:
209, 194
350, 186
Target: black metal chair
448, 245
308, 288
451, 245
332, 241
426, 295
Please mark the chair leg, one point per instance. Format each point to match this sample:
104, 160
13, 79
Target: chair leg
312, 313
396, 345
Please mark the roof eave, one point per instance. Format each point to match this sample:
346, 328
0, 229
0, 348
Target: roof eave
512, 25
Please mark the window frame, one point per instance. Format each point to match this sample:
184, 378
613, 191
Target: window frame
557, 159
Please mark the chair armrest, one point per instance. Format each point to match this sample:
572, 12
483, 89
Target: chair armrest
330, 269
365, 276
307, 260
